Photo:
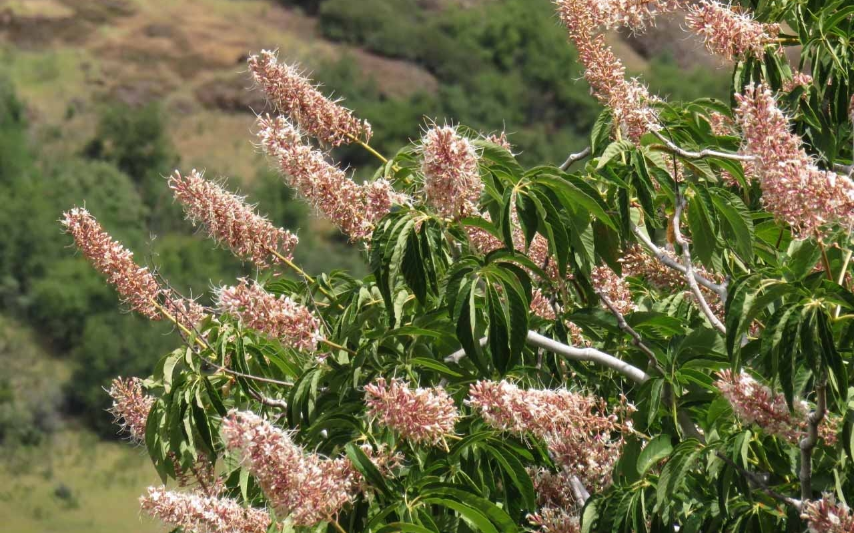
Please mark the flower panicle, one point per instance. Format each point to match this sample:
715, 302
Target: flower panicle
230, 221
452, 183
353, 208
195, 512
614, 287
555, 520
728, 33
506, 407
794, 189
799, 79
828, 516
296, 96
276, 316
130, 406
421, 415
754, 403
137, 286
307, 487
605, 73
578, 429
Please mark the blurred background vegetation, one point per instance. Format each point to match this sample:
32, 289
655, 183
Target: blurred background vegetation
101, 99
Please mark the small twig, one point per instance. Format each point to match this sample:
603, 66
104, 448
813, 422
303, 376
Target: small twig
636, 338
702, 153
689, 267
719, 289
337, 346
578, 156
808, 443
760, 483
304, 274
270, 402
204, 345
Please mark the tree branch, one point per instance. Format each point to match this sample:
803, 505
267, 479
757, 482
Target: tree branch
666, 260
575, 157
809, 442
578, 491
848, 170
702, 153
570, 352
459, 354
587, 354
760, 483
689, 267
270, 402
621, 322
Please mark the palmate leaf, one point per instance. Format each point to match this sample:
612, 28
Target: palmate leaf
478, 511
736, 223
673, 475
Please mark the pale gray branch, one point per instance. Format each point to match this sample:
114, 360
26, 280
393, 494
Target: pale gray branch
702, 153
578, 491
718, 288
848, 170
689, 267
574, 157
587, 354
570, 352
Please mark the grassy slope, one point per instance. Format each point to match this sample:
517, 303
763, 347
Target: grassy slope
104, 480
66, 56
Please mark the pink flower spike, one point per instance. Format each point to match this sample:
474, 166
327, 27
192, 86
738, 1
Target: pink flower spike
296, 96
305, 486
422, 415
614, 287
229, 220
827, 516
130, 406
276, 316
452, 183
195, 512
794, 189
754, 403
730, 34
136, 285
353, 208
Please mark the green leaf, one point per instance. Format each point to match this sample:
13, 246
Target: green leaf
704, 240
736, 222
615, 149
434, 365
656, 450
516, 470
472, 516
394, 527
601, 131
366, 467
802, 258
590, 514
673, 475
832, 360
465, 499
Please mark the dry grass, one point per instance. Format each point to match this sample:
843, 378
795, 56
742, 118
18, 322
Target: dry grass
68, 56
